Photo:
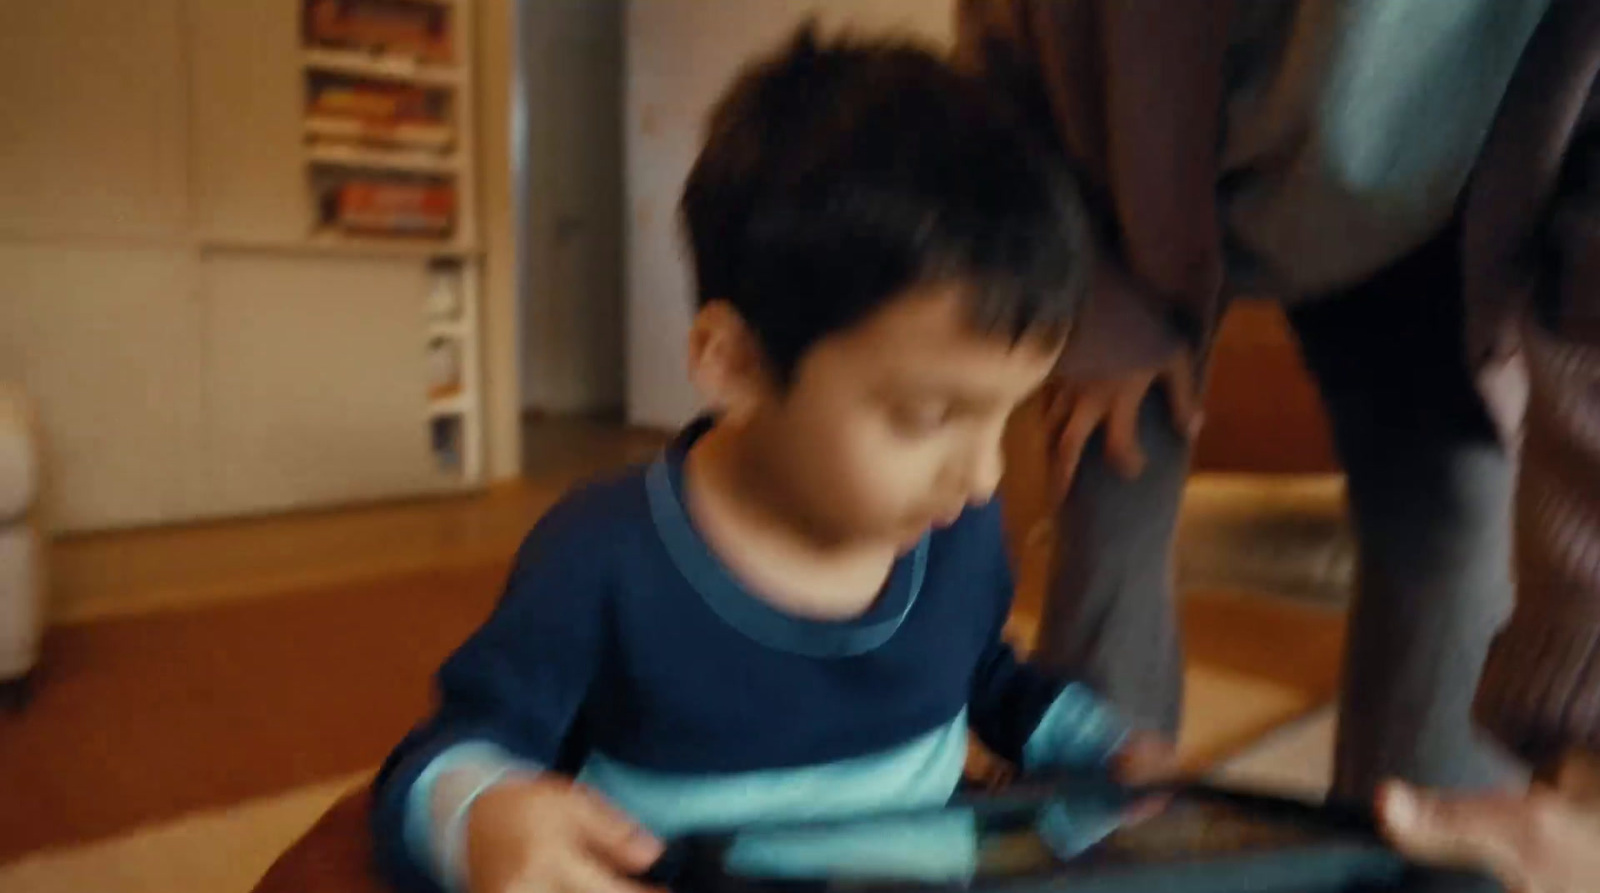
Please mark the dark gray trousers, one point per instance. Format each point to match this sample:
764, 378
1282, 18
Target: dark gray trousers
1429, 495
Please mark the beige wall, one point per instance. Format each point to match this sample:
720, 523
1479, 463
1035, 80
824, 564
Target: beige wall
502, 342
680, 55
191, 355
571, 131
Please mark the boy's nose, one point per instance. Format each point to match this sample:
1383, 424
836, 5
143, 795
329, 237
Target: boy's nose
984, 467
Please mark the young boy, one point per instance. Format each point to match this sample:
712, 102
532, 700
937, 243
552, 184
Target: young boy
796, 612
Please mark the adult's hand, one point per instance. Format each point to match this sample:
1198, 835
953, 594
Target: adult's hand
1077, 409
1541, 842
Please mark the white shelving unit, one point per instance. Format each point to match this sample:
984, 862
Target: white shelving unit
447, 329
334, 242
382, 67
339, 146
404, 161
417, 136
264, 363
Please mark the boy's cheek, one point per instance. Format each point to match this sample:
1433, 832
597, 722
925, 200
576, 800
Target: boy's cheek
888, 473
842, 477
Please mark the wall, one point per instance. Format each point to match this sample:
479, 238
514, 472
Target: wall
570, 132
496, 60
680, 55
191, 353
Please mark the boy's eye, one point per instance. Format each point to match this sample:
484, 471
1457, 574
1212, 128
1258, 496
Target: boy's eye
919, 419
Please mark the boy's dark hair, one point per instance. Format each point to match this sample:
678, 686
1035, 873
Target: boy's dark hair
836, 176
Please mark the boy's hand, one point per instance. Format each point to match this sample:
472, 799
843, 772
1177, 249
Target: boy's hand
1145, 759
549, 835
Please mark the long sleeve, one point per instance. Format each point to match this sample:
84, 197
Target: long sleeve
1132, 93
1533, 251
1540, 692
515, 687
1025, 715
1036, 721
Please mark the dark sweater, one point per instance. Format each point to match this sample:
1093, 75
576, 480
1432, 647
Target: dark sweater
625, 652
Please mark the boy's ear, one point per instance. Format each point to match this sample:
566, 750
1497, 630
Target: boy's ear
726, 362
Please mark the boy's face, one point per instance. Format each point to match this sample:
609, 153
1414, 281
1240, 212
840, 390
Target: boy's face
894, 426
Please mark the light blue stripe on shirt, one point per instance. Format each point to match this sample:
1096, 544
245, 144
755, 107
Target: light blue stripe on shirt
1077, 731
922, 772
437, 804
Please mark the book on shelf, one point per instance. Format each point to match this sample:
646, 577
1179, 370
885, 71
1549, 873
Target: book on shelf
349, 110
444, 367
402, 27
393, 207
438, 138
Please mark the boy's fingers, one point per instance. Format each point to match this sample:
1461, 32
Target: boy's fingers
1145, 809
629, 854
615, 838
590, 876
1146, 759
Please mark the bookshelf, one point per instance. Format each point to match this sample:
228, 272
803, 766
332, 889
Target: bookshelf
208, 341
338, 154
381, 66
388, 162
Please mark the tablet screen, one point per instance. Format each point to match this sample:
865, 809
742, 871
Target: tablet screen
977, 844
1185, 829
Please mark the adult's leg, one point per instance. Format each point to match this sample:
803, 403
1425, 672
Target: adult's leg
1429, 491
1109, 617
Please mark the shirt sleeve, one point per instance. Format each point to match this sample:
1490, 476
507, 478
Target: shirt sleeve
1532, 236
513, 692
1030, 717
437, 805
1035, 721
1540, 691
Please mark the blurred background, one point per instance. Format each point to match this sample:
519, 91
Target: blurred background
308, 308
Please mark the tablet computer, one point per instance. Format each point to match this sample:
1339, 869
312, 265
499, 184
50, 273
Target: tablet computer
1075, 836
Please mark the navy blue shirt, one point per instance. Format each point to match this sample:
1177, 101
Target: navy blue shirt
624, 651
